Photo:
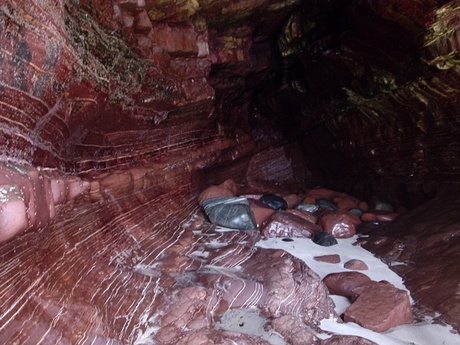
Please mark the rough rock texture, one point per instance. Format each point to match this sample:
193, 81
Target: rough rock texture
423, 245
379, 307
144, 284
150, 102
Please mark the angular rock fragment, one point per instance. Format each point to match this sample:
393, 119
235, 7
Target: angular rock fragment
332, 258
379, 307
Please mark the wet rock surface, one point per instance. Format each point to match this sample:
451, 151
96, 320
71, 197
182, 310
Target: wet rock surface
379, 307
422, 246
115, 115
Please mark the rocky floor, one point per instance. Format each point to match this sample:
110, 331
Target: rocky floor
161, 273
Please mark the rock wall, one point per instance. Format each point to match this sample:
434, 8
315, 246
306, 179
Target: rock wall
115, 114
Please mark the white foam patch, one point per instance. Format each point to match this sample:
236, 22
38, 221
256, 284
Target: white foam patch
420, 333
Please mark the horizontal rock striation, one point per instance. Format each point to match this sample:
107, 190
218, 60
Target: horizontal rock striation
114, 115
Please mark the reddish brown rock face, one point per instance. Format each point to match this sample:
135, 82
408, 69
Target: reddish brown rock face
379, 307
115, 115
343, 283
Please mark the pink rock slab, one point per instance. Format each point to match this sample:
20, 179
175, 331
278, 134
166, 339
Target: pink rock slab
285, 224
379, 307
355, 264
343, 283
332, 258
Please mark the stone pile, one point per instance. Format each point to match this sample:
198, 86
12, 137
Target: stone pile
324, 216
320, 214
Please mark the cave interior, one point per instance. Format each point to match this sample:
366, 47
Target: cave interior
116, 115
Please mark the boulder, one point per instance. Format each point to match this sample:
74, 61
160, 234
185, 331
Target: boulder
343, 283
230, 212
379, 307
338, 223
285, 224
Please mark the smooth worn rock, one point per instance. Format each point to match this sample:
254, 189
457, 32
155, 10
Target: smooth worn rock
379, 307
231, 212
324, 239
324, 193
308, 207
379, 216
357, 211
338, 223
304, 214
285, 224
274, 201
343, 283
345, 203
292, 200
325, 204
380, 205
331, 258
355, 264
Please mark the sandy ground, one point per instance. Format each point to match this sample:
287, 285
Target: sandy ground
419, 333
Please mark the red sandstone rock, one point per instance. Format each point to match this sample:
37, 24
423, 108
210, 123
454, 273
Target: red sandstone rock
323, 193
293, 330
379, 216
292, 200
338, 223
379, 307
305, 215
225, 189
346, 340
260, 211
309, 200
343, 283
332, 258
284, 224
355, 264
29, 197
345, 203
363, 206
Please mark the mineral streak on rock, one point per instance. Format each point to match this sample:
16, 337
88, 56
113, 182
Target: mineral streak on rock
114, 115
29, 197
